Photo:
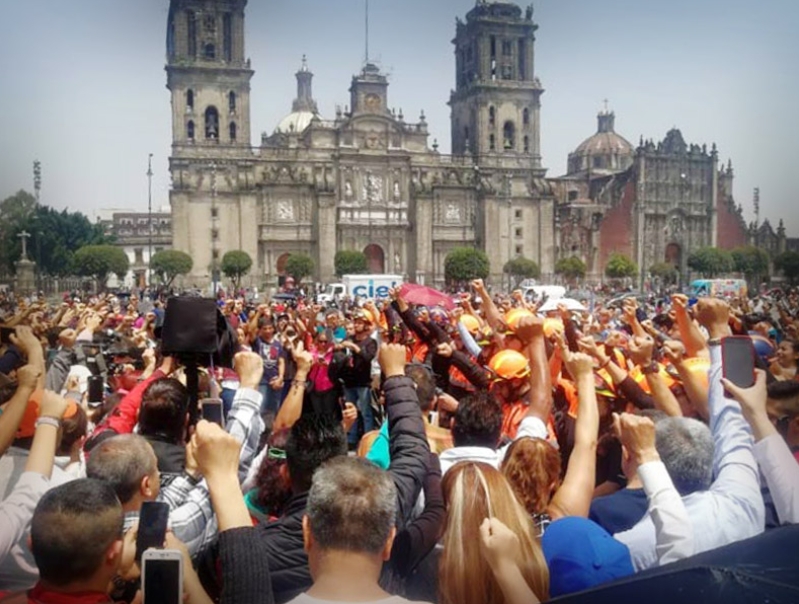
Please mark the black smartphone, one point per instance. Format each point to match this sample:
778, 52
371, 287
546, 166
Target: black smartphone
5, 334
96, 387
570, 331
153, 519
211, 409
640, 314
738, 361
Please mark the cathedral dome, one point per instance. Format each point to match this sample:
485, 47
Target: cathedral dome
604, 151
296, 122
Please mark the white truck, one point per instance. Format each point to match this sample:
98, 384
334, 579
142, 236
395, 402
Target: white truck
362, 286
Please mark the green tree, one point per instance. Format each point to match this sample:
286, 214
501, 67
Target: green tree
711, 262
570, 268
299, 266
99, 261
522, 268
56, 236
350, 262
15, 212
751, 261
236, 264
619, 266
788, 263
464, 264
168, 264
664, 271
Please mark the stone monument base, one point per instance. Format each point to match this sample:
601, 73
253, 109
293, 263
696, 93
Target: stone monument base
26, 277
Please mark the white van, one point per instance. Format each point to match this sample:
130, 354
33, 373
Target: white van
553, 292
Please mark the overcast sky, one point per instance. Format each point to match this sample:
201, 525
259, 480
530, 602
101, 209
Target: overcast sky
83, 85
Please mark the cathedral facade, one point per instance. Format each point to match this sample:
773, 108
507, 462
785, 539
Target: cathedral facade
370, 180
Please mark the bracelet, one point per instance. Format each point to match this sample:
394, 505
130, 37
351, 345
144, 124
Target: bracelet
46, 420
714, 342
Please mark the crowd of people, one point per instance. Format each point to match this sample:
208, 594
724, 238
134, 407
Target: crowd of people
484, 451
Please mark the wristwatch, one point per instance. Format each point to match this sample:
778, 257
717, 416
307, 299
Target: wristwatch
651, 367
714, 342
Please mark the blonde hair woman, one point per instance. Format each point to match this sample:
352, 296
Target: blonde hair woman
473, 492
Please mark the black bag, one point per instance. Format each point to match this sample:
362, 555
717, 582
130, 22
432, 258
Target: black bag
195, 327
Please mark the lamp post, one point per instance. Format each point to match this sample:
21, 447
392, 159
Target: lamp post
149, 218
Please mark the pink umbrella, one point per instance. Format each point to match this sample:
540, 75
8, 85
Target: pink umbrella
425, 296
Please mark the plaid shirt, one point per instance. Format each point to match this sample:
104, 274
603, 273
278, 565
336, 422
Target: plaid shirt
191, 515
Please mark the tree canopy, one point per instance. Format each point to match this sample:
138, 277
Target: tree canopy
464, 264
236, 264
570, 268
665, 271
299, 266
350, 262
751, 261
99, 261
168, 264
619, 266
54, 236
522, 268
711, 262
788, 263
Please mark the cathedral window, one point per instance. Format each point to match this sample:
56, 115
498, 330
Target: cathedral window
573, 195
190, 130
597, 162
527, 144
190, 99
492, 143
509, 136
192, 33
517, 214
507, 48
492, 116
211, 123
210, 51
231, 102
518, 233
233, 131
209, 24
526, 116
519, 250
493, 47
522, 60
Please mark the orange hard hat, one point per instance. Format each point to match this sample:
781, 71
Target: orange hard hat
698, 366
471, 323
514, 316
552, 326
509, 364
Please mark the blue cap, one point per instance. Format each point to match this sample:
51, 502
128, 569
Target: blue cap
581, 554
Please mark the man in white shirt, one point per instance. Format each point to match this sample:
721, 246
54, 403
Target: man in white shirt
732, 508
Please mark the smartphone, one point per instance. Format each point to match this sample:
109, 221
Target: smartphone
153, 520
162, 576
738, 361
211, 409
96, 388
5, 334
570, 331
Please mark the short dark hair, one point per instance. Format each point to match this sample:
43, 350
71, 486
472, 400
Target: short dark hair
313, 440
351, 505
72, 528
478, 421
425, 384
163, 409
786, 392
122, 462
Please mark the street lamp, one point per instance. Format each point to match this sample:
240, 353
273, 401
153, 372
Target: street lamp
149, 218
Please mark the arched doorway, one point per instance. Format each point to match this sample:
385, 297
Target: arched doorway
375, 259
674, 255
280, 267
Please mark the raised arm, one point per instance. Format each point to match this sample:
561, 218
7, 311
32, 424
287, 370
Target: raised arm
531, 332
27, 379
641, 350
573, 498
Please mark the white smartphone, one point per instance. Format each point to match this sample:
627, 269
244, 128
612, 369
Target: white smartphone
162, 576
